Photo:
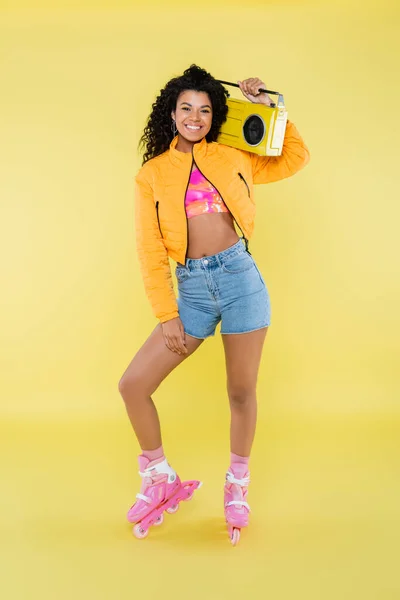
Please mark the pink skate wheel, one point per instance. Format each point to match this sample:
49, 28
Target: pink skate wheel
172, 509
234, 534
159, 520
140, 533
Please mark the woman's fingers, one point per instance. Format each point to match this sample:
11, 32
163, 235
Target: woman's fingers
183, 338
174, 344
251, 85
167, 343
174, 336
254, 85
179, 345
182, 345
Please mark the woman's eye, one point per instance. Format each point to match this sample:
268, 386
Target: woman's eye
207, 112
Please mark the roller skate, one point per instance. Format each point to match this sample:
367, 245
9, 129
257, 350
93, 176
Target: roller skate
235, 494
161, 490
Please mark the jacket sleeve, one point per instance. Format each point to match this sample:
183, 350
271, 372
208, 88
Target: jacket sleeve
152, 254
295, 156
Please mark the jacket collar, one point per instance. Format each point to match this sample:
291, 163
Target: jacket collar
177, 157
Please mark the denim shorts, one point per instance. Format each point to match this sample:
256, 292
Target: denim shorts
226, 287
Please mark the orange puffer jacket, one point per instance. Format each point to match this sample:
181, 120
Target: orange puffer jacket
160, 189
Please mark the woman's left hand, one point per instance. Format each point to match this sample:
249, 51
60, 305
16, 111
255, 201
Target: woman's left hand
250, 87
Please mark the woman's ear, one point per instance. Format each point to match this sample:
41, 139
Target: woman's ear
173, 115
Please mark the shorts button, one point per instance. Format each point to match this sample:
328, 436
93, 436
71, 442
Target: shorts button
205, 262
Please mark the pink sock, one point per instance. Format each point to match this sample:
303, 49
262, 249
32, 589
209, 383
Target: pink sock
156, 454
244, 460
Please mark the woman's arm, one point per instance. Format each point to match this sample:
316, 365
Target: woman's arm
294, 157
152, 254
295, 154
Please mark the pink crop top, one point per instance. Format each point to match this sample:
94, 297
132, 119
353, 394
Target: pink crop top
202, 197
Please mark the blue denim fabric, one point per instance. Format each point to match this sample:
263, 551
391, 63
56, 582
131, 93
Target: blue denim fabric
226, 287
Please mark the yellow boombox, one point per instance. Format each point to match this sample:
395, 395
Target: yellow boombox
254, 127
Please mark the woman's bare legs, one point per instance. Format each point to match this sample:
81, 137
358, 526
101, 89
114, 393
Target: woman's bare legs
150, 366
242, 356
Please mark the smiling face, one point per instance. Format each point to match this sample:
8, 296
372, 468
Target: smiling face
193, 115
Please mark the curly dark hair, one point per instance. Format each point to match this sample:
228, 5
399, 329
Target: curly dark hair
157, 134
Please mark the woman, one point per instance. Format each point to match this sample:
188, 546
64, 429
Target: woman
189, 193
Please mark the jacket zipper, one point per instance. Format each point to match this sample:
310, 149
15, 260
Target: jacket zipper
246, 241
245, 182
158, 217
184, 208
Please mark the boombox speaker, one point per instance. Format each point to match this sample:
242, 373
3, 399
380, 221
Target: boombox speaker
254, 127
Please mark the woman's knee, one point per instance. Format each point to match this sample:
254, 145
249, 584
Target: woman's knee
240, 395
124, 385
131, 385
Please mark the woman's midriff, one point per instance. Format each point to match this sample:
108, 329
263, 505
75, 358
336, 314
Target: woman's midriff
210, 233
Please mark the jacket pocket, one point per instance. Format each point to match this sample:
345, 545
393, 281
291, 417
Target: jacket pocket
245, 183
158, 217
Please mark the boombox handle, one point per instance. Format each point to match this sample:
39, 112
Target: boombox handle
281, 102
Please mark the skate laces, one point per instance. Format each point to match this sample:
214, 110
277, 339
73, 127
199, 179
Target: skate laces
144, 498
242, 483
153, 475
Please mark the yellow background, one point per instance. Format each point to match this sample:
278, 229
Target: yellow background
77, 83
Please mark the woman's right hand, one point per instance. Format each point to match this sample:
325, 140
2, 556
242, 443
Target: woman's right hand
174, 335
